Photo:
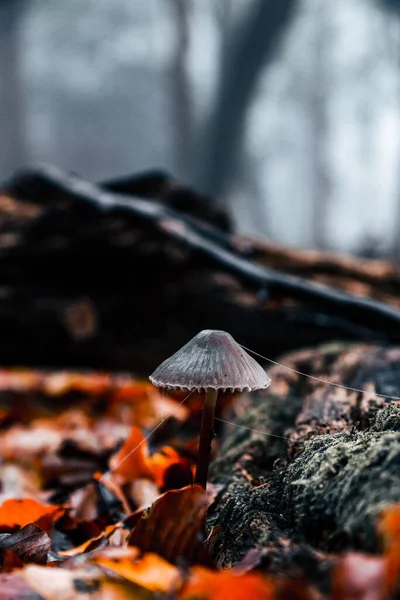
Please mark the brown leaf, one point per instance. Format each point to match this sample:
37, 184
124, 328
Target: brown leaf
30, 544
91, 545
212, 539
68, 533
172, 526
9, 561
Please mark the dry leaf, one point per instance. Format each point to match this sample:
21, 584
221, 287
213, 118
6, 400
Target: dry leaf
204, 584
61, 584
30, 544
131, 462
18, 513
172, 526
149, 571
389, 527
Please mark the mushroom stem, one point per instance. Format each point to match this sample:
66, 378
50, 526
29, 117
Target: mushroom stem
206, 437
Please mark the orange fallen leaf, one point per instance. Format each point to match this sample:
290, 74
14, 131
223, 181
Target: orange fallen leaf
18, 513
204, 584
161, 461
389, 527
173, 525
131, 462
149, 571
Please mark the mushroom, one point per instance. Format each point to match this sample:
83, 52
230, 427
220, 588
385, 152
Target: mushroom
211, 362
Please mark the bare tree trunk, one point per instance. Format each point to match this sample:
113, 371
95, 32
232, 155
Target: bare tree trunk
251, 46
321, 181
396, 239
393, 40
12, 139
182, 117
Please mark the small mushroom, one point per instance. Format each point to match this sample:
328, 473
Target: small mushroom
211, 362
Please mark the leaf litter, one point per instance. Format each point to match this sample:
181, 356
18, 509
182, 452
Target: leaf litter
93, 506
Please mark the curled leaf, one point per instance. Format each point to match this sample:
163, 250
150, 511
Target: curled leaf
172, 526
30, 544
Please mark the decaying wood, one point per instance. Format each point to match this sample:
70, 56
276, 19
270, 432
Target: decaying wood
91, 277
322, 484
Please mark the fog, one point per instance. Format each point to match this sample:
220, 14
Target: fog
309, 158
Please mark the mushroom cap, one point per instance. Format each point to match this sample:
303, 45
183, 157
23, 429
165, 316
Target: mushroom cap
212, 359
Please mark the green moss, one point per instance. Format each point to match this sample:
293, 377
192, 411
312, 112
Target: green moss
336, 488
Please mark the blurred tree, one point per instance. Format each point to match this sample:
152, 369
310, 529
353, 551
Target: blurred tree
248, 50
223, 11
394, 6
319, 121
13, 140
181, 102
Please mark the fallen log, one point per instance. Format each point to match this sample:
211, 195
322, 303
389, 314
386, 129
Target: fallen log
93, 278
310, 465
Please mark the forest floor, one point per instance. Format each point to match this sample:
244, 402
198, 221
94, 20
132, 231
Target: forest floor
97, 500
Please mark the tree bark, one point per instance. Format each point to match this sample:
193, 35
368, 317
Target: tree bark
320, 487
